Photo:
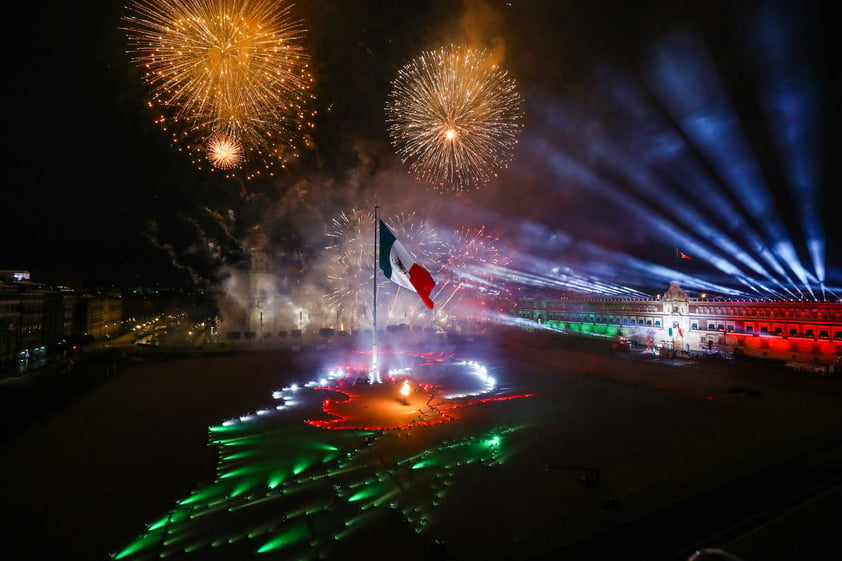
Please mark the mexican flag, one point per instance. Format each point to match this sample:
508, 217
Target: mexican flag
402, 269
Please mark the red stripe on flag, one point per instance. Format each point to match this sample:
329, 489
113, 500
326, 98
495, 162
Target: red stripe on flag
423, 283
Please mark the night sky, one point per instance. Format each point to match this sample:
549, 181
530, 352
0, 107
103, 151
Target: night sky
600, 175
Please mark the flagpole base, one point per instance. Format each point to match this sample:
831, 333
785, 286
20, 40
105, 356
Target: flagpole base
374, 372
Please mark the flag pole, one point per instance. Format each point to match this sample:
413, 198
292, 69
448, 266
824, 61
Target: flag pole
375, 372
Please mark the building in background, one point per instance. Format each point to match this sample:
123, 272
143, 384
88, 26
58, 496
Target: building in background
9, 325
39, 318
805, 334
100, 315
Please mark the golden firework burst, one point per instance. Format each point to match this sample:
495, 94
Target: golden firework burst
232, 66
454, 117
224, 151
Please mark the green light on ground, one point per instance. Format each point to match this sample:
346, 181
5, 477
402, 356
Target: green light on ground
251, 503
262, 529
239, 455
194, 547
366, 493
209, 508
245, 486
355, 521
239, 441
288, 536
301, 466
329, 458
179, 515
234, 539
276, 479
237, 472
146, 541
343, 534
423, 464
252, 468
175, 538
385, 497
160, 523
229, 428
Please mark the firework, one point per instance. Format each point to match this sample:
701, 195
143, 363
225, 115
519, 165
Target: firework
454, 117
351, 266
418, 235
468, 268
231, 67
224, 151
352, 236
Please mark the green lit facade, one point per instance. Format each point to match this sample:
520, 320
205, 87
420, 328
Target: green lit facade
797, 331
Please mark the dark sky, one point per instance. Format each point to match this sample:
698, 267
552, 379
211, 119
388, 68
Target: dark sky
94, 190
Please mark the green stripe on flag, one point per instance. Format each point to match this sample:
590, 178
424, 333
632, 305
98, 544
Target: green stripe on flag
387, 239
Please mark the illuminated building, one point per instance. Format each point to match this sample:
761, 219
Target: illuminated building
799, 332
9, 325
100, 315
32, 317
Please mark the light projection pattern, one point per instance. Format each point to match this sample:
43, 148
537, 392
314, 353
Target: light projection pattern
284, 489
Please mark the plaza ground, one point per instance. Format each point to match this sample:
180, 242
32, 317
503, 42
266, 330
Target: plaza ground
604, 456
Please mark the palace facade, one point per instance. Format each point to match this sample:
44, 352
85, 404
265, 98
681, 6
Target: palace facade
802, 333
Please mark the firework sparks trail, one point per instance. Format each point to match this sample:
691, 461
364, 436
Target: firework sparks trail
352, 237
471, 259
232, 67
454, 117
350, 277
